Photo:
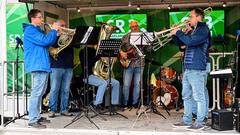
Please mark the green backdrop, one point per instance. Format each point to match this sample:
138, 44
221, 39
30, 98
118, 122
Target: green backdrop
168, 55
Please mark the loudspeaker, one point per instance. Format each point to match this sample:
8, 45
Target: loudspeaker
237, 120
222, 120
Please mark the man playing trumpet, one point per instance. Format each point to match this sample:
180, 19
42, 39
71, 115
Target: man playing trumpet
195, 63
36, 62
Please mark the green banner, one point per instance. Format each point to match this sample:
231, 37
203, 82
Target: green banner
16, 14
214, 20
122, 22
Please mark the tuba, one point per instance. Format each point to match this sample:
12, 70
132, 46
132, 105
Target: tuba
163, 37
65, 39
102, 67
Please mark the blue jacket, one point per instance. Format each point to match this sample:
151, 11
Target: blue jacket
36, 42
198, 42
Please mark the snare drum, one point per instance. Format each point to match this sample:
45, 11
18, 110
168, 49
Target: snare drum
168, 74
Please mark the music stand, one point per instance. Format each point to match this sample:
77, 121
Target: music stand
89, 38
109, 48
142, 39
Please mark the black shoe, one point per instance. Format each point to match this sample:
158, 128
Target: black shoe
135, 105
97, 108
37, 125
123, 108
116, 108
44, 120
194, 116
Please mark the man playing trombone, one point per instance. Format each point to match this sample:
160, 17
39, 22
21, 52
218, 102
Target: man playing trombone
195, 63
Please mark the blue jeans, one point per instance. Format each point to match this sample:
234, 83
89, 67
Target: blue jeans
39, 86
102, 85
60, 78
194, 89
194, 108
127, 79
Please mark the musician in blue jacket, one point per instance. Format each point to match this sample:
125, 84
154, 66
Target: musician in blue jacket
36, 62
195, 63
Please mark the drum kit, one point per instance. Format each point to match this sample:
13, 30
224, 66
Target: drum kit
163, 90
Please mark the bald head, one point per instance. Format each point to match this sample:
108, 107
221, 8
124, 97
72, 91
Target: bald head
134, 26
61, 22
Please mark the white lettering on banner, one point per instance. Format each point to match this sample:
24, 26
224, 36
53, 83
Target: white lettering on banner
209, 21
12, 39
119, 23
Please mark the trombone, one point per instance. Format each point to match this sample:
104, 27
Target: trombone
163, 37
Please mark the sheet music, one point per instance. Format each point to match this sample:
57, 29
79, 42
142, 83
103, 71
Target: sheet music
224, 71
141, 38
86, 36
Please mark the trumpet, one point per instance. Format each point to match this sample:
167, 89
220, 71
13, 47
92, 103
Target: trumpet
62, 28
165, 36
66, 37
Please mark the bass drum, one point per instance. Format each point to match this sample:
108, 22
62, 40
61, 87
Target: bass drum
168, 95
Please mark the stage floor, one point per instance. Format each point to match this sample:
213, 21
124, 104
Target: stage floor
115, 125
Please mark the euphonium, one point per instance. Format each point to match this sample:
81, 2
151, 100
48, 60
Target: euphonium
102, 67
66, 37
165, 36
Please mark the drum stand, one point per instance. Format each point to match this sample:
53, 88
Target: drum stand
151, 106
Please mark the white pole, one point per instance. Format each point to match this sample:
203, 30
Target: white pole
3, 48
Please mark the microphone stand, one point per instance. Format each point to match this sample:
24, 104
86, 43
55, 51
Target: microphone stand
19, 45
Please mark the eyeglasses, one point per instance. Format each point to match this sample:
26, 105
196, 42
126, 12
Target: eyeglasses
38, 17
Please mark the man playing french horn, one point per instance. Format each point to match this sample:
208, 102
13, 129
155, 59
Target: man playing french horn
60, 77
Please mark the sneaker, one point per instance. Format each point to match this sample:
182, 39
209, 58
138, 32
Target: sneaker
51, 114
181, 125
66, 114
195, 127
37, 125
44, 120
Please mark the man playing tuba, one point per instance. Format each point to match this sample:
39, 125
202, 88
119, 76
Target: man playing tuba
98, 80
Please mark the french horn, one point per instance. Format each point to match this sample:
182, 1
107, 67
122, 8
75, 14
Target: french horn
65, 39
